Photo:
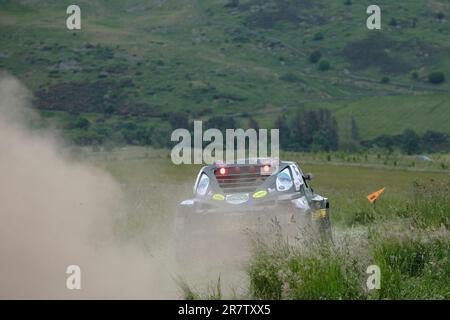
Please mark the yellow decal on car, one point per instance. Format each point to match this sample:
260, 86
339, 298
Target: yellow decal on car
260, 194
320, 214
218, 197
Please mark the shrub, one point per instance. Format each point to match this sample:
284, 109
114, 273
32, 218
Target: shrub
436, 77
315, 56
289, 77
178, 119
324, 65
385, 80
81, 123
318, 36
232, 4
393, 22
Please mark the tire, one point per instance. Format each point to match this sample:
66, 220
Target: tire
324, 226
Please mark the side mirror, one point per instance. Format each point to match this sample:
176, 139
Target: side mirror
309, 176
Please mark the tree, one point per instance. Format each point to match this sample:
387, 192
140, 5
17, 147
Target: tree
384, 141
326, 133
221, 122
314, 129
159, 137
252, 124
354, 130
281, 124
298, 131
331, 128
178, 120
320, 141
143, 136
433, 141
410, 142
311, 125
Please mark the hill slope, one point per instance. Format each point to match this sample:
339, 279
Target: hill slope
146, 58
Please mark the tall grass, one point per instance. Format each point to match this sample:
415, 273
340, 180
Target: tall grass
312, 272
213, 292
430, 206
414, 267
427, 206
410, 242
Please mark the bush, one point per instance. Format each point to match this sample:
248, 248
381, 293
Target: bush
315, 56
436, 77
318, 36
80, 123
324, 65
385, 80
232, 4
393, 22
289, 77
178, 119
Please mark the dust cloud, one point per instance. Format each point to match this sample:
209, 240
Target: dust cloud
55, 212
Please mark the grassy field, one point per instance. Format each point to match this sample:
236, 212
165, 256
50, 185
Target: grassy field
406, 234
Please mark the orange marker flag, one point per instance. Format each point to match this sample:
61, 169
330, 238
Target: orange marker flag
374, 196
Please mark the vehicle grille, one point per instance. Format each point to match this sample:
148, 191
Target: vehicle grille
240, 179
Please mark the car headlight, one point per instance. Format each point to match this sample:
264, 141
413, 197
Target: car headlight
284, 180
203, 184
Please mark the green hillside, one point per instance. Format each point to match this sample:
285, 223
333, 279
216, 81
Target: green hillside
141, 60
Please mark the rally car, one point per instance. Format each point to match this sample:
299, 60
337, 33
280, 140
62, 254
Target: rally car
250, 194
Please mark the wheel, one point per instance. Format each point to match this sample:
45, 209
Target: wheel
324, 226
